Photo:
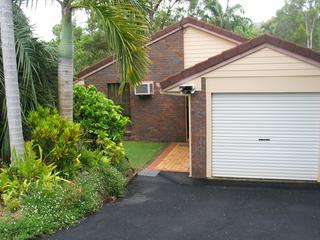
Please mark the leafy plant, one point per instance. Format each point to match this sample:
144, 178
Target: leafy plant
111, 151
58, 137
30, 171
97, 115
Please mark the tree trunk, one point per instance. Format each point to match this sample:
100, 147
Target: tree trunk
11, 77
65, 67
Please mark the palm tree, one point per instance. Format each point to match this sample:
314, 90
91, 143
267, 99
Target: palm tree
125, 27
231, 18
11, 77
37, 76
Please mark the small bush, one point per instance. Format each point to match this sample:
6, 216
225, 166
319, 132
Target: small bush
113, 152
58, 137
29, 172
97, 114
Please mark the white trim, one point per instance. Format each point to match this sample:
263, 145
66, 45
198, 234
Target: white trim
208, 133
173, 93
190, 138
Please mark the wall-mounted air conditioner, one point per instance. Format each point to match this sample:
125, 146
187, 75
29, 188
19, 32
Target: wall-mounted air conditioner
146, 88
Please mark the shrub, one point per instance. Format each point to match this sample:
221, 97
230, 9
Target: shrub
113, 152
58, 137
109, 153
98, 114
29, 172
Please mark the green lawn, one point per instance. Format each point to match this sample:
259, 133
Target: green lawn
141, 153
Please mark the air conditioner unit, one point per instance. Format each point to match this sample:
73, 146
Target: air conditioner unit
146, 88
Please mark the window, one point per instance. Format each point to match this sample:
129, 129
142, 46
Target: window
122, 99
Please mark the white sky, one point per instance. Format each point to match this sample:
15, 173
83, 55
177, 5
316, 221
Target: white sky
44, 17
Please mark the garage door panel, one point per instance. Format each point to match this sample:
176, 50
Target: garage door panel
274, 136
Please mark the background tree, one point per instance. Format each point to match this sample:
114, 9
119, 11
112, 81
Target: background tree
298, 21
90, 44
10, 75
37, 76
231, 18
162, 13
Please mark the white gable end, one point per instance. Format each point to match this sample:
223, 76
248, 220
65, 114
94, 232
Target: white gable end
200, 45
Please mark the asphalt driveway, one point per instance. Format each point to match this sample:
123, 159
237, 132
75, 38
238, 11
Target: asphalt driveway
173, 206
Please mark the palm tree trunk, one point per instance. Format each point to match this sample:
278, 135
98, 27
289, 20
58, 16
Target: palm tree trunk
11, 77
65, 67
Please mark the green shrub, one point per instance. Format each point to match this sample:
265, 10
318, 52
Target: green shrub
113, 152
29, 172
58, 137
98, 114
44, 212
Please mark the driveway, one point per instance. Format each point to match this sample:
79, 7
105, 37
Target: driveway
173, 206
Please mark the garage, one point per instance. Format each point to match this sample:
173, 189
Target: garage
266, 136
254, 112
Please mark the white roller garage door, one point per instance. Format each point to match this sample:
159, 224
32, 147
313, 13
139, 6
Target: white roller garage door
267, 136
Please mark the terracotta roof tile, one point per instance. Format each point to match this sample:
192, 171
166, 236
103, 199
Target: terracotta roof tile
242, 48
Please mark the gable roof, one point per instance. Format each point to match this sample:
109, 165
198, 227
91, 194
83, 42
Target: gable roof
240, 49
188, 21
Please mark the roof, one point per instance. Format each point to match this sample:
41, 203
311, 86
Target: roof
240, 49
170, 29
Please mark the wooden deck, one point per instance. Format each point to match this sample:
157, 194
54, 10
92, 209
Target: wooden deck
175, 158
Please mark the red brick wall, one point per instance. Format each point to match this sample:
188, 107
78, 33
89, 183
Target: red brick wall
198, 133
157, 117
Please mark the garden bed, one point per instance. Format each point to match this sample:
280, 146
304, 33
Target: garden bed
68, 170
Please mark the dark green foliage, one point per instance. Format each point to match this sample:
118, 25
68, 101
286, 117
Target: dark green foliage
98, 114
58, 137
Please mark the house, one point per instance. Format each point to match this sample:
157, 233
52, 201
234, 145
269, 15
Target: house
255, 112
159, 117
250, 108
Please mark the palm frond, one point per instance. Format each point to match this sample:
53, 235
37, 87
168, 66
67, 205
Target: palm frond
126, 30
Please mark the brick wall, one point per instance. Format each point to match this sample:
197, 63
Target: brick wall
198, 133
157, 117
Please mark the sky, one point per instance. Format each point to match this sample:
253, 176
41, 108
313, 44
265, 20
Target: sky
44, 17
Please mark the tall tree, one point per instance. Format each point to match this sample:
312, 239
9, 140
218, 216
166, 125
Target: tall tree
311, 13
125, 26
297, 21
11, 77
37, 76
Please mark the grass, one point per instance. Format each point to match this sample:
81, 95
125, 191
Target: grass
141, 153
